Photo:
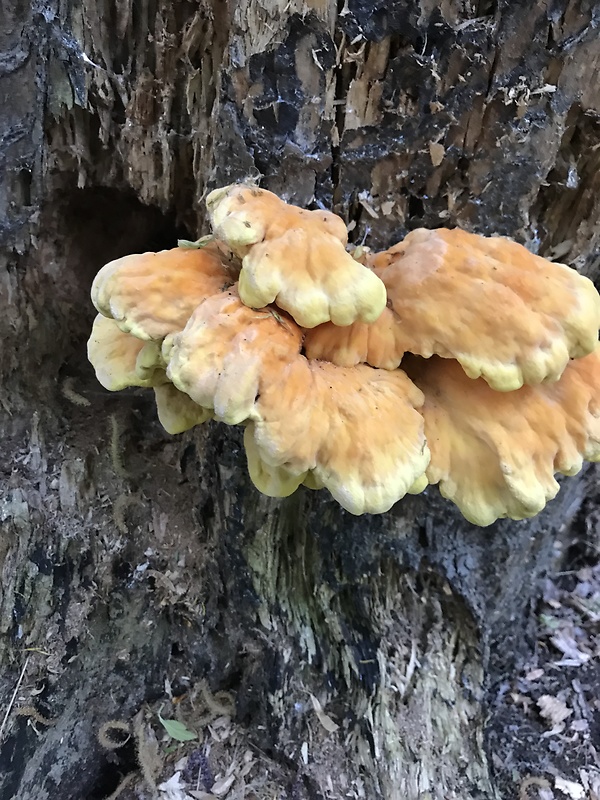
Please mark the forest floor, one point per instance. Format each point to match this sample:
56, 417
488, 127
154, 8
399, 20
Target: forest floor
544, 732
542, 735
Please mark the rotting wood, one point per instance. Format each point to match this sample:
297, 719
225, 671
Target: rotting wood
121, 117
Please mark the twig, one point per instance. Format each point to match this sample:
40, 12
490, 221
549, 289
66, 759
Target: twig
13, 698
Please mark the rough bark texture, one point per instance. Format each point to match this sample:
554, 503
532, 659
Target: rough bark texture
128, 556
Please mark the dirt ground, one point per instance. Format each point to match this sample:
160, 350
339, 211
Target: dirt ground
544, 729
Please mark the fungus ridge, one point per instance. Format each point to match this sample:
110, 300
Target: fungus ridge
495, 454
357, 431
225, 353
153, 294
503, 313
294, 258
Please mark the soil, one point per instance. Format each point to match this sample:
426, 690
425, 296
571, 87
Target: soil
544, 730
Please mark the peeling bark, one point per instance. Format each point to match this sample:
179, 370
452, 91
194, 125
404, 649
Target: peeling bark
128, 556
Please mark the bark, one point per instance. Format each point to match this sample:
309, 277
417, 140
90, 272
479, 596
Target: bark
127, 556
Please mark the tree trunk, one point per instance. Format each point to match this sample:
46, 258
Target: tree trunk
360, 653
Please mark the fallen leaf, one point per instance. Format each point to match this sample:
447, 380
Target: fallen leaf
573, 790
324, 718
436, 152
590, 778
364, 199
579, 725
534, 674
553, 709
173, 789
568, 646
220, 788
177, 730
304, 752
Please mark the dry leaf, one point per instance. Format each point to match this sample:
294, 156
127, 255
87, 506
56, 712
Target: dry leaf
553, 709
364, 199
573, 790
437, 152
221, 787
567, 645
590, 778
324, 718
579, 725
521, 699
249, 762
534, 674
304, 752
173, 789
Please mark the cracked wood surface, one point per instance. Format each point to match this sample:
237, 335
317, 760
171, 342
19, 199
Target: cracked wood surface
118, 118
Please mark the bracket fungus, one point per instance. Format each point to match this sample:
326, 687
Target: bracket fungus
176, 411
495, 454
153, 294
503, 313
294, 258
449, 359
227, 351
121, 360
357, 431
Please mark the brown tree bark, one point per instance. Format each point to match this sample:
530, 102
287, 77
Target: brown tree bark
127, 556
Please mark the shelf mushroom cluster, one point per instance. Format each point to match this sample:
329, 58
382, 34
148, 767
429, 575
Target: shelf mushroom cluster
449, 359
